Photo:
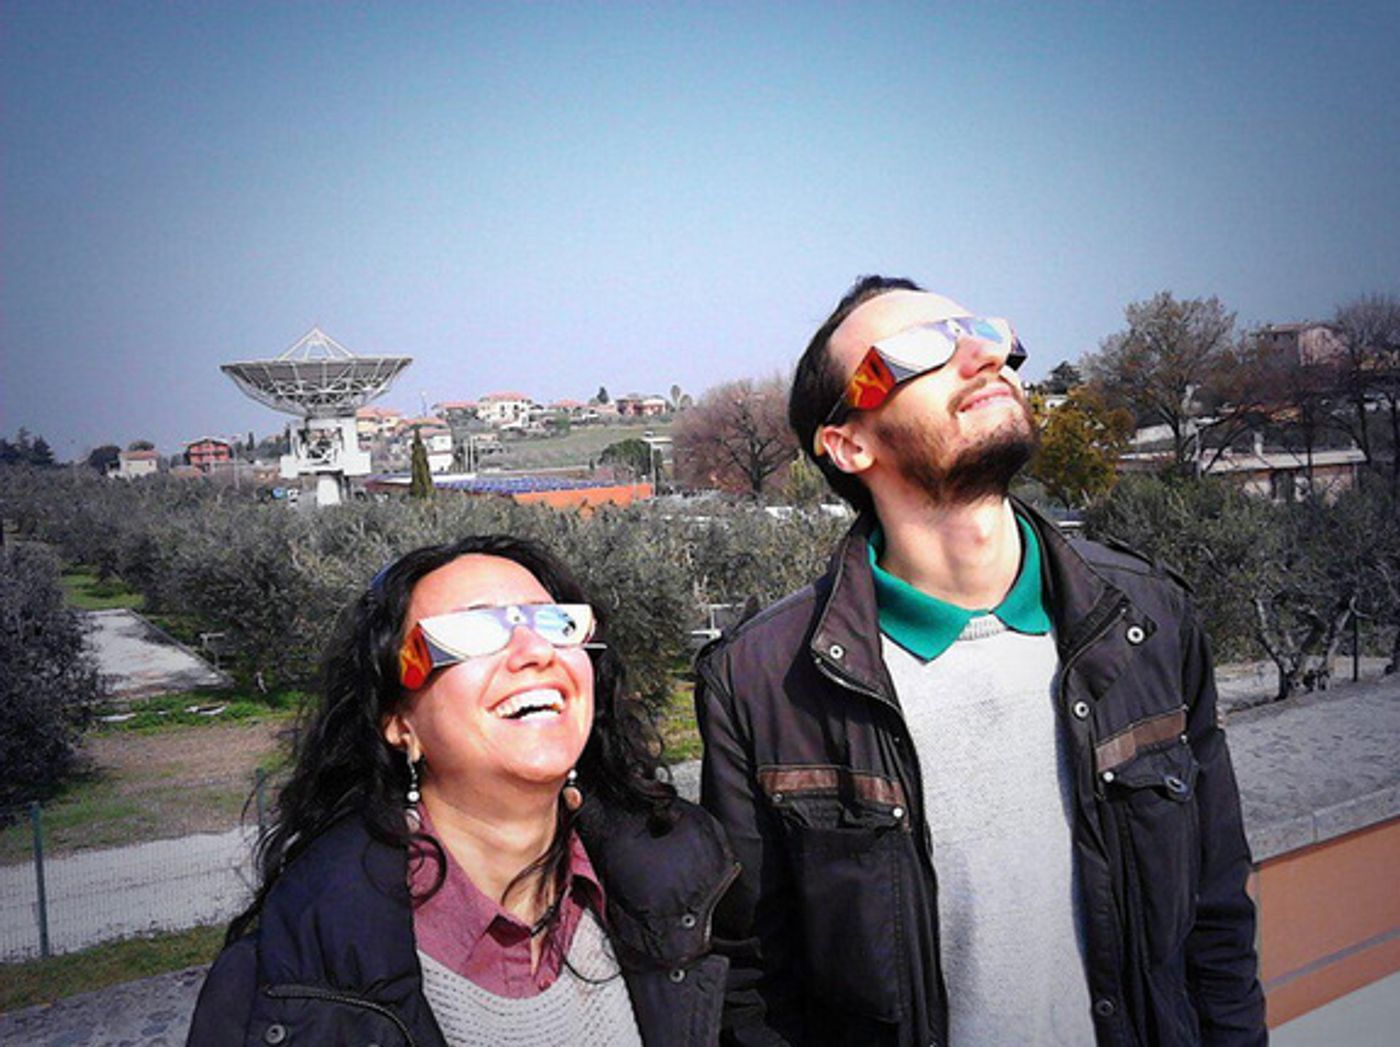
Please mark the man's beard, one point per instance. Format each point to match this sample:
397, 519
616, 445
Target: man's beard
980, 470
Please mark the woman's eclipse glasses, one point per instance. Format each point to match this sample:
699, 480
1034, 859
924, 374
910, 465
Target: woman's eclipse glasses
915, 351
446, 639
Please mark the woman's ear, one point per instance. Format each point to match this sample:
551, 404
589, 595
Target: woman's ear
398, 732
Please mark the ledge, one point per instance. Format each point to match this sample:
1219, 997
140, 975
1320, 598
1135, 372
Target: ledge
1317, 766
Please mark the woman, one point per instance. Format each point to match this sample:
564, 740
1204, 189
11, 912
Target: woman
473, 847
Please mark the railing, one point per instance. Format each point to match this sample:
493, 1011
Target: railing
55, 903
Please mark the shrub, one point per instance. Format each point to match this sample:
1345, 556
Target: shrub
48, 684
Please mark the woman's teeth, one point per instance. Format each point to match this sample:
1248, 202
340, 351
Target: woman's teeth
518, 706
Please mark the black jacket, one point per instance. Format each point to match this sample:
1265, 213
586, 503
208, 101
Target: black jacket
832, 929
334, 961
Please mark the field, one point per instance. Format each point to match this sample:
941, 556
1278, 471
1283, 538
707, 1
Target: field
582, 444
145, 785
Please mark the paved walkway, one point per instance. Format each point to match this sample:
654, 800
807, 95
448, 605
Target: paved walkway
140, 660
119, 892
152, 1012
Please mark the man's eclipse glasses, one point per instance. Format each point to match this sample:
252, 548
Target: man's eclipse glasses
446, 639
915, 351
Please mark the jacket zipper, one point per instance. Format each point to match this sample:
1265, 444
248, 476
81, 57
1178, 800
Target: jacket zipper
1094, 637
312, 992
1119, 610
713, 903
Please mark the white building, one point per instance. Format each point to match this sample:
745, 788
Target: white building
498, 409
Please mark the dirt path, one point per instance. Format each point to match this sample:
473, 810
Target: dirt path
192, 779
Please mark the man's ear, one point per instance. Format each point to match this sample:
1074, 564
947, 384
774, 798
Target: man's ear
848, 447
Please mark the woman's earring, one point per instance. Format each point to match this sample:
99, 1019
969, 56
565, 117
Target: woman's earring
413, 795
573, 795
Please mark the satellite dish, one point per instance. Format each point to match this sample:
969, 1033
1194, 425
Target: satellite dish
322, 382
317, 377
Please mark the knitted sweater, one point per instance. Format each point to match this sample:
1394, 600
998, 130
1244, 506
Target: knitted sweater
587, 1006
982, 719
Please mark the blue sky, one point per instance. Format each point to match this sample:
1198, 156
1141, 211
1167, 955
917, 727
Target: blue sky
555, 197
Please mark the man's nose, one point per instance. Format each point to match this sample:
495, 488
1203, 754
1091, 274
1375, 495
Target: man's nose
975, 355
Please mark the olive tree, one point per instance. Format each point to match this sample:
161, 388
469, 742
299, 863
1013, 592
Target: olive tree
48, 683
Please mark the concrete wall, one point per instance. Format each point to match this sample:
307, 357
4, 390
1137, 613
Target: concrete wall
1320, 786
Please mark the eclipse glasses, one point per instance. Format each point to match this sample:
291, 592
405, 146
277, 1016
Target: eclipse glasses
915, 351
446, 639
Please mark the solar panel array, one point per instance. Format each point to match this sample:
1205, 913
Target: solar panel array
515, 484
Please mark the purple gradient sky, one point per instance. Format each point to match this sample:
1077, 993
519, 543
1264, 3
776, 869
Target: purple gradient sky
554, 197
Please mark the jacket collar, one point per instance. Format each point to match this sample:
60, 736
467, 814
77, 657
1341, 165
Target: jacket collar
659, 898
846, 638
341, 916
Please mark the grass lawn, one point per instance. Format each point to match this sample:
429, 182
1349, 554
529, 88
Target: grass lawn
677, 723
199, 709
43, 981
84, 592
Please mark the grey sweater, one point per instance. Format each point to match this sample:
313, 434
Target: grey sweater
587, 1006
983, 721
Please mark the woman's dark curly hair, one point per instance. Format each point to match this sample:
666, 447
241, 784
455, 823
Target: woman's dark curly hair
344, 765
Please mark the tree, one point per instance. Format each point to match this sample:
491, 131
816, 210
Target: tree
26, 451
1080, 443
1062, 379
140, 445
1166, 365
49, 684
736, 438
420, 484
634, 455
805, 486
602, 396
104, 458
1284, 581
1370, 328
1270, 389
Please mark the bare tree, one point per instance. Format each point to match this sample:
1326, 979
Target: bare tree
736, 437
1370, 328
1167, 364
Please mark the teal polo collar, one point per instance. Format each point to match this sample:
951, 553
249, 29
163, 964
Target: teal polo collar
927, 626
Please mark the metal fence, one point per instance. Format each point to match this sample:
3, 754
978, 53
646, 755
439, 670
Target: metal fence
56, 903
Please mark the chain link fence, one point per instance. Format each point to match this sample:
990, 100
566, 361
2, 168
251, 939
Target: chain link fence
57, 903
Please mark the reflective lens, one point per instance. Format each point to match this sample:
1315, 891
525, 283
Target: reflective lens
446, 639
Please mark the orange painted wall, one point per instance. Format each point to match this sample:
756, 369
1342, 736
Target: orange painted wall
1329, 919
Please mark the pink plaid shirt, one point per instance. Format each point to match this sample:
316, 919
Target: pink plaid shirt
470, 934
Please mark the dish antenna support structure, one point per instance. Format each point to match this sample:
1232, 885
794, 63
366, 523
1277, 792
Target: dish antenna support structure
322, 383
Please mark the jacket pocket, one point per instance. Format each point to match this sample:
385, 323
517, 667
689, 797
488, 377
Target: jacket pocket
847, 839
1154, 798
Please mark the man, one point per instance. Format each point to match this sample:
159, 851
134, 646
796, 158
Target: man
974, 773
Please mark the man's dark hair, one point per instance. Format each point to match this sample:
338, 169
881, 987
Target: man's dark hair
818, 383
